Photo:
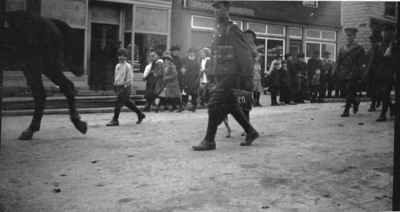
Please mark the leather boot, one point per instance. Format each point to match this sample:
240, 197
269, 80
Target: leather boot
141, 116
205, 146
250, 137
345, 113
112, 123
80, 125
356, 105
27, 134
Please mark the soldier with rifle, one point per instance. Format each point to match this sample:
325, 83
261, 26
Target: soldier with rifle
233, 64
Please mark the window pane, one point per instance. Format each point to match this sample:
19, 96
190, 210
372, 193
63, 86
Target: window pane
238, 23
203, 22
274, 50
328, 35
390, 8
313, 33
275, 29
257, 27
260, 43
294, 31
312, 48
331, 49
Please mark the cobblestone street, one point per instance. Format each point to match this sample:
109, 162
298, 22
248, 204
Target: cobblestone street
307, 159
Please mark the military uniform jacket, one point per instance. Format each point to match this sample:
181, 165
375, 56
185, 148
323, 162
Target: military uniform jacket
350, 62
230, 51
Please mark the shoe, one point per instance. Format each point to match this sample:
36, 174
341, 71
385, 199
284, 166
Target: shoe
381, 119
141, 116
112, 123
179, 110
250, 137
80, 125
204, 146
26, 134
345, 114
355, 107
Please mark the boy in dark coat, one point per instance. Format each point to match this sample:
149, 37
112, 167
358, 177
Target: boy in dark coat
191, 76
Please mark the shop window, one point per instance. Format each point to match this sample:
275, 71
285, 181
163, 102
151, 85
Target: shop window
257, 27
390, 9
319, 48
313, 48
328, 35
274, 50
205, 23
311, 33
294, 32
331, 48
238, 23
144, 43
276, 30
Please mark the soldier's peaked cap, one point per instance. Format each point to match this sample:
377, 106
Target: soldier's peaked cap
216, 2
350, 30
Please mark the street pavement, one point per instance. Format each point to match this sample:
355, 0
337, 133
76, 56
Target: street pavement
307, 159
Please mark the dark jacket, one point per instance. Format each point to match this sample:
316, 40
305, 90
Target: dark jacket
350, 63
191, 77
312, 65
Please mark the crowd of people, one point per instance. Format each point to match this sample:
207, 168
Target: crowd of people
172, 81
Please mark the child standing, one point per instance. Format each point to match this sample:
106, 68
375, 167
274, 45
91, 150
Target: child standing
123, 79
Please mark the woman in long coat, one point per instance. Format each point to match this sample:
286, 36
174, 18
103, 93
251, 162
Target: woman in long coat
170, 78
154, 79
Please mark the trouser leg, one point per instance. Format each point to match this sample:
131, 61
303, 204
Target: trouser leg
385, 101
216, 114
240, 117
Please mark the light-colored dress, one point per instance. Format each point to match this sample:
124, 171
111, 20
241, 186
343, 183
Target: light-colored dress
257, 78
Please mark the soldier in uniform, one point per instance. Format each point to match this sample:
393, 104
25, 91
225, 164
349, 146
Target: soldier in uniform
374, 67
385, 78
350, 64
230, 68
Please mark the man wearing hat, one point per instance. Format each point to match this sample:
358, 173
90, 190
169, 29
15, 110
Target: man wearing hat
350, 65
385, 79
229, 68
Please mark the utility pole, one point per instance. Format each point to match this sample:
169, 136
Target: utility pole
396, 150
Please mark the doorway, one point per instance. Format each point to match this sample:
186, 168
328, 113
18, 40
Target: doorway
104, 47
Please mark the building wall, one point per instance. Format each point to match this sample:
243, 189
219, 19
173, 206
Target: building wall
359, 15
